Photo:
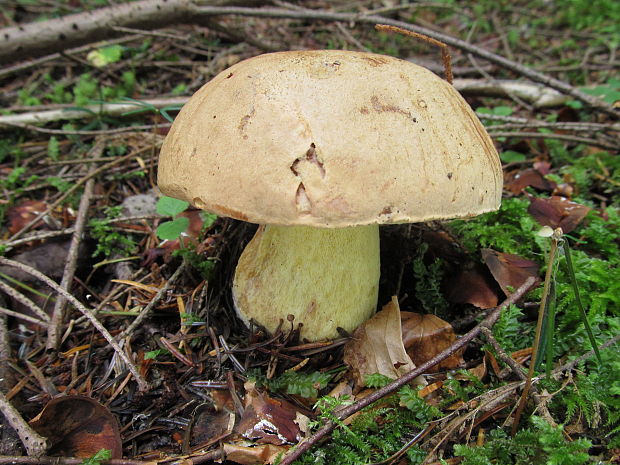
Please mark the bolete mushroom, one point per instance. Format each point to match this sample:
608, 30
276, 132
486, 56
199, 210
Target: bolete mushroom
319, 148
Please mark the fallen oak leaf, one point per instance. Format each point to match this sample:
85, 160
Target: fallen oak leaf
263, 454
20, 215
425, 335
377, 347
268, 420
530, 177
557, 212
473, 286
509, 270
207, 426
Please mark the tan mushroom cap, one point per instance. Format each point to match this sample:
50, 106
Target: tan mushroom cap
330, 138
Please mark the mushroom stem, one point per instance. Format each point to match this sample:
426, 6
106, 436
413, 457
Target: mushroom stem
326, 278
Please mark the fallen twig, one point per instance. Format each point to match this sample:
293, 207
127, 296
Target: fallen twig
55, 327
44, 460
24, 120
488, 322
505, 63
497, 395
25, 301
551, 135
34, 443
518, 371
538, 95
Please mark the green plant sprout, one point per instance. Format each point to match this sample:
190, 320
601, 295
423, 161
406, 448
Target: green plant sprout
110, 241
105, 56
96, 459
546, 317
171, 230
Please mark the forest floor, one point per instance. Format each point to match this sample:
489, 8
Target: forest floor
119, 341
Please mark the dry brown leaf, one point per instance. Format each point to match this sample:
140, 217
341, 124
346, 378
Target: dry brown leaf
263, 454
78, 426
518, 181
473, 286
510, 271
479, 371
377, 347
207, 426
23, 213
268, 420
424, 336
557, 212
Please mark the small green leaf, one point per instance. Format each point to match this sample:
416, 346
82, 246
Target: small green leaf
503, 111
510, 156
98, 457
172, 230
153, 354
104, 56
167, 206
207, 219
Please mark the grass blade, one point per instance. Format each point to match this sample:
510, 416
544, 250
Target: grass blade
584, 316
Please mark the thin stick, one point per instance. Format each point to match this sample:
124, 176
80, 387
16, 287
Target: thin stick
323, 15
22, 316
34, 443
142, 384
566, 137
193, 13
445, 51
55, 328
517, 370
25, 301
488, 322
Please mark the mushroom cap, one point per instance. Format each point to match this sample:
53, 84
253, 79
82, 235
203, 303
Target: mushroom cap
330, 138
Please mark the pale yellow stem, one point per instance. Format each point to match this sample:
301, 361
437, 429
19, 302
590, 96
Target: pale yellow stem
325, 278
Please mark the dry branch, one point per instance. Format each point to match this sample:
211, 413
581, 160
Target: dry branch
53, 35
89, 112
37, 38
55, 328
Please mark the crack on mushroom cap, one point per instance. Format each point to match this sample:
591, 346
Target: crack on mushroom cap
302, 200
311, 157
304, 206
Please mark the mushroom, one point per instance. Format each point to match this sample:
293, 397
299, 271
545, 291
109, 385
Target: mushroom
319, 148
